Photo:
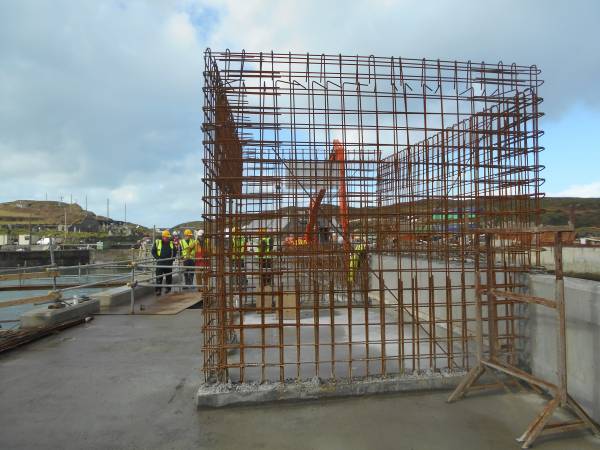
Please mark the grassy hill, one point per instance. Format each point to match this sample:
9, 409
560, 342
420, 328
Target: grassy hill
24, 212
45, 216
556, 212
194, 225
586, 212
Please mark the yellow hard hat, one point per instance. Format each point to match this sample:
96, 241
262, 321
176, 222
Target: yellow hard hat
188, 232
166, 234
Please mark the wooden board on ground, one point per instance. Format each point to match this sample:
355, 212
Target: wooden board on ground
264, 299
169, 304
172, 303
289, 306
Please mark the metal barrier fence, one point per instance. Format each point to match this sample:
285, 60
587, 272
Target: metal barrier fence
134, 273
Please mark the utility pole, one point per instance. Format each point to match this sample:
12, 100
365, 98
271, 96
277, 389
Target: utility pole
29, 231
52, 252
107, 209
65, 243
125, 212
86, 203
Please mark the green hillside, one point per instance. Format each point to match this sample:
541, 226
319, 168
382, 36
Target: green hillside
586, 212
24, 212
556, 212
44, 217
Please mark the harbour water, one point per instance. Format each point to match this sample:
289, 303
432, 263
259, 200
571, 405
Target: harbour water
9, 315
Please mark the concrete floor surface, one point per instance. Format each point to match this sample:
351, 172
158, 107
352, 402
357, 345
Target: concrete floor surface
128, 382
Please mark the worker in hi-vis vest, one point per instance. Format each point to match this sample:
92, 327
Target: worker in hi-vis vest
164, 252
239, 248
357, 252
202, 261
188, 254
265, 249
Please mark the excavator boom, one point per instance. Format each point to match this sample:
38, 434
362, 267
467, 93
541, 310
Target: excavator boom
338, 155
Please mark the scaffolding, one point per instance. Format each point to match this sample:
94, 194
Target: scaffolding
342, 199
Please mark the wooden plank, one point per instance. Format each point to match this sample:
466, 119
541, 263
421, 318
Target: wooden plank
170, 304
524, 298
29, 275
267, 295
289, 306
518, 373
38, 299
564, 427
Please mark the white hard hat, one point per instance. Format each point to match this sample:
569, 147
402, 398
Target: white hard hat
199, 233
340, 239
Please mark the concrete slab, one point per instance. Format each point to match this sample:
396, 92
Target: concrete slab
129, 382
45, 317
150, 304
120, 296
220, 395
340, 353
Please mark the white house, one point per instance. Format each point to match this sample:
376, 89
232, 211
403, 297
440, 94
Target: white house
24, 239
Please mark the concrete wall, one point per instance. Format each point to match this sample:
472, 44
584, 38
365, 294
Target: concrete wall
101, 256
583, 337
583, 319
576, 260
458, 285
40, 258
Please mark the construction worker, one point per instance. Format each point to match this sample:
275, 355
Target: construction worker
239, 249
202, 261
176, 240
164, 252
357, 252
188, 252
265, 248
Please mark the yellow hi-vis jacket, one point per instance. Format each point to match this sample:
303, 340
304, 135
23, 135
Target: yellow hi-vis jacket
265, 247
188, 248
238, 247
158, 246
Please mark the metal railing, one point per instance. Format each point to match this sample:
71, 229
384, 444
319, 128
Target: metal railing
134, 273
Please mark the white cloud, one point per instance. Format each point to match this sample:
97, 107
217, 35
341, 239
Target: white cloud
580, 190
104, 98
128, 193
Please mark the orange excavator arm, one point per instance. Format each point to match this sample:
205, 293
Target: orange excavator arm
309, 233
337, 155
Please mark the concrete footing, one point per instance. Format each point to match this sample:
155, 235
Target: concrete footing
46, 317
120, 296
230, 394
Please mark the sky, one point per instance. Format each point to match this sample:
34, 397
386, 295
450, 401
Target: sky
103, 98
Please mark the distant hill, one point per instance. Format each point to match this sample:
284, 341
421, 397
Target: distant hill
51, 214
24, 212
586, 212
556, 212
194, 225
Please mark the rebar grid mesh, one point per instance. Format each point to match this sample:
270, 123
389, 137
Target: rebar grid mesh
404, 159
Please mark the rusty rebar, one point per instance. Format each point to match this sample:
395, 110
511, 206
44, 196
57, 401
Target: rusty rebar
384, 282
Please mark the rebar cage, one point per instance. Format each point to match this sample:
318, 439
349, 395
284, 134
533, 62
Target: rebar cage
340, 203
